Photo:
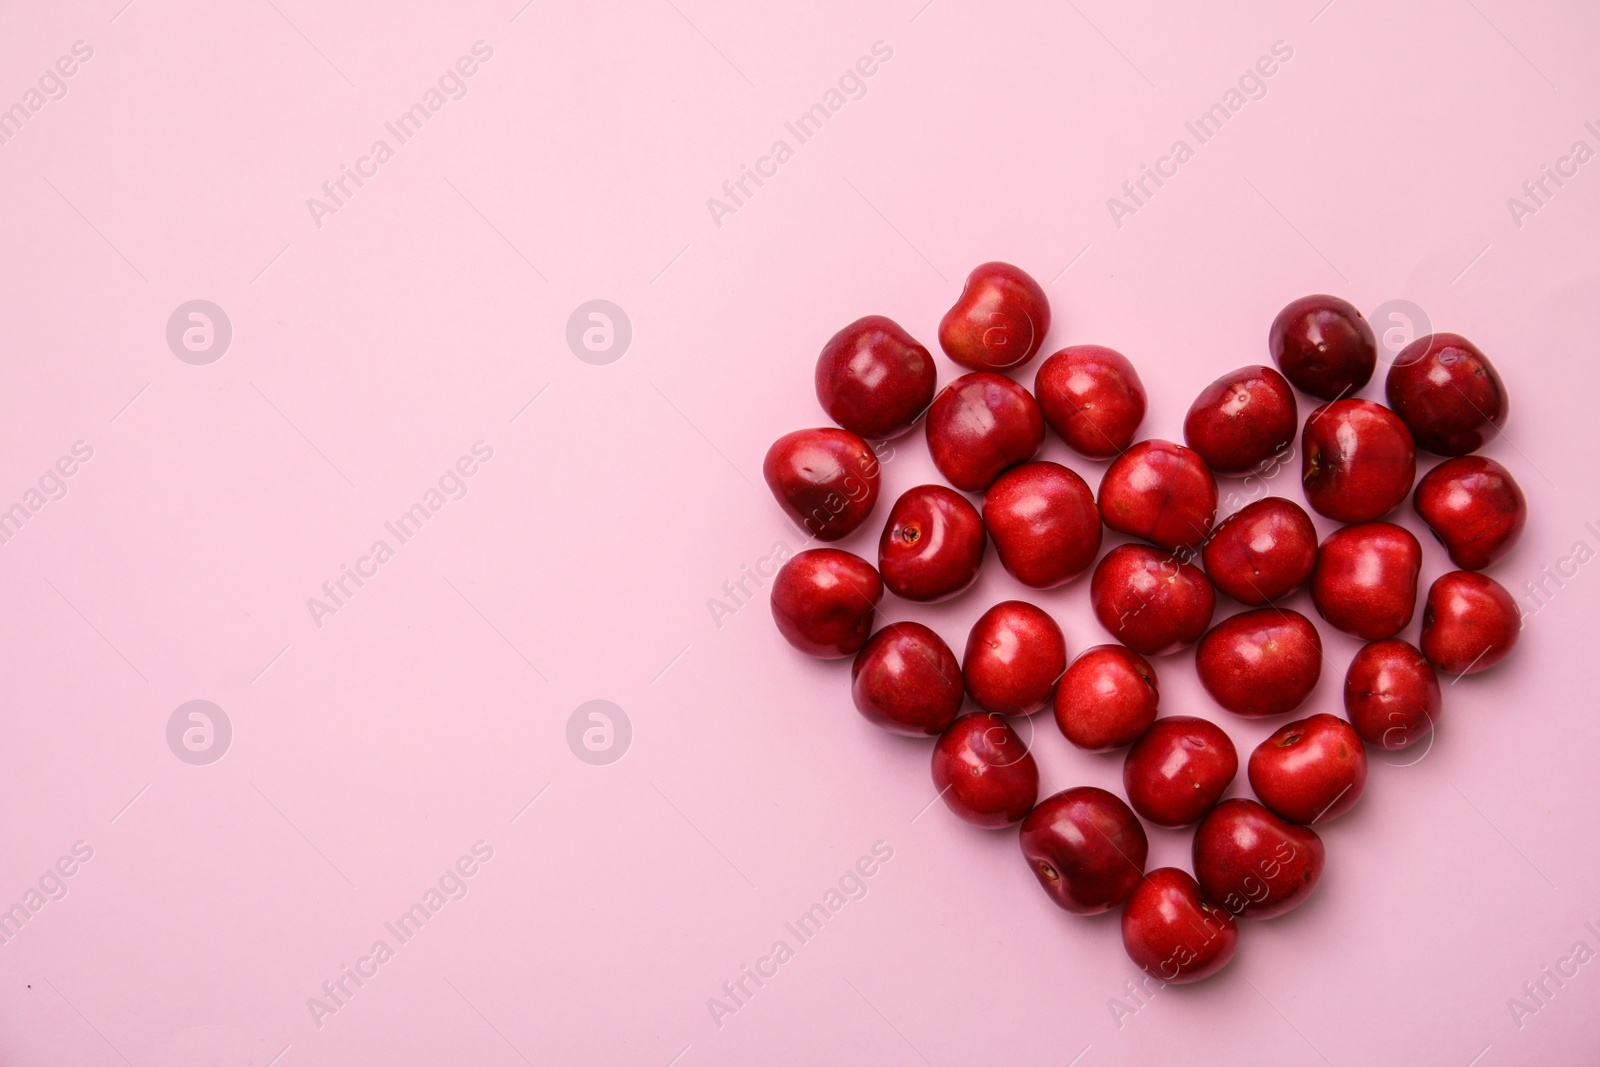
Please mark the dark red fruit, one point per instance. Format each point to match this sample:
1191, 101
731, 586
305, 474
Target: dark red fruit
1149, 600
1358, 460
907, 680
1045, 524
979, 425
1174, 932
1263, 552
1262, 662
1391, 694
1448, 394
1092, 399
1310, 771
1252, 862
874, 379
1241, 420
1014, 656
984, 771
823, 601
1086, 848
1178, 769
998, 322
932, 544
1161, 492
825, 479
1107, 698
1365, 581
1470, 623
1324, 346
1474, 507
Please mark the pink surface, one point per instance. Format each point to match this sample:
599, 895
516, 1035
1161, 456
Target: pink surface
371, 753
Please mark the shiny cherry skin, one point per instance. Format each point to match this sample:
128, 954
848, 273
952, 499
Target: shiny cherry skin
1448, 394
998, 322
874, 379
932, 545
1263, 552
1474, 507
1174, 932
1391, 694
1086, 847
1151, 601
1470, 623
1324, 346
1107, 698
1241, 420
1365, 581
1161, 492
823, 601
1253, 863
979, 425
906, 680
984, 771
1015, 654
1310, 771
1174, 773
1045, 525
1357, 461
1261, 662
1092, 398
825, 479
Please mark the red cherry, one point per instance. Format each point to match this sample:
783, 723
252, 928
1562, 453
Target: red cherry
1470, 623
1262, 662
979, 425
1252, 862
1474, 507
932, 544
1324, 346
825, 479
1178, 769
1014, 656
907, 680
1391, 694
998, 322
1150, 601
1448, 394
1241, 420
1045, 525
1262, 552
1086, 848
1365, 581
1310, 771
1161, 492
874, 379
823, 601
1092, 399
1107, 698
1358, 460
984, 771
1174, 932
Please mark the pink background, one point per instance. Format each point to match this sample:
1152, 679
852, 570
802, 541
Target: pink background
371, 352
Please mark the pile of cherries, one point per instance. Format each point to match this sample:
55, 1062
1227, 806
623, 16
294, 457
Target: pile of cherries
1156, 594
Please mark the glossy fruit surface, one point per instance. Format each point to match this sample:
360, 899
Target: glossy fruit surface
1045, 525
1241, 420
823, 602
1253, 863
1263, 552
932, 545
874, 379
1161, 492
1311, 771
1262, 662
1470, 623
1087, 849
1015, 654
1391, 694
1107, 698
906, 680
1174, 932
1474, 507
1358, 461
1177, 770
825, 479
984, 771
998, 322
1324, 346
979, 425
1150, 601
1092, 398
1448, 394
1365, 581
